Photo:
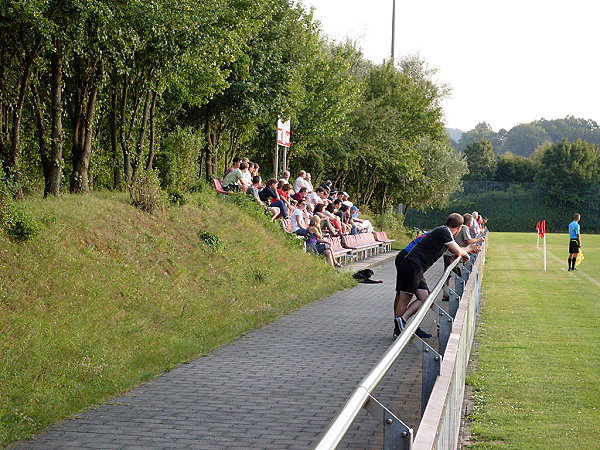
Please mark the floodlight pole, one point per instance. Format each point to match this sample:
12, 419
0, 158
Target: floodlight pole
393, 28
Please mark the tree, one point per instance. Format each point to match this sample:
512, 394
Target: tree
482, 131
516, 168
566, 169
523, 139
481, 161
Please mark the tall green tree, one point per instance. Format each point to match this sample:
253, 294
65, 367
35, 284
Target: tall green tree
481, 161
568, 168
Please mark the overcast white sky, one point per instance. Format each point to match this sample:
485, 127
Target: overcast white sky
507, 62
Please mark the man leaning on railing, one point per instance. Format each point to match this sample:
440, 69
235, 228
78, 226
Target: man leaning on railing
410, 278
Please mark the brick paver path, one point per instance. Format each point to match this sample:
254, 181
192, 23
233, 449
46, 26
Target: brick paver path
277, 387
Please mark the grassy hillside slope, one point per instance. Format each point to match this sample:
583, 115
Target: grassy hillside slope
108, 296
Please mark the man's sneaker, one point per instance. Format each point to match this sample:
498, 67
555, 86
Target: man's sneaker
399, 325
422, 333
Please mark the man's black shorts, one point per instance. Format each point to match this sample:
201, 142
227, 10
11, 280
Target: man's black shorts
574, 246
409, 277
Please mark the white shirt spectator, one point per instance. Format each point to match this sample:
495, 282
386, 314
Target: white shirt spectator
298, 220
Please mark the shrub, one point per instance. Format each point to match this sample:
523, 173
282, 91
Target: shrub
210, 239
177, 162
146, 193
19, 226
177, 198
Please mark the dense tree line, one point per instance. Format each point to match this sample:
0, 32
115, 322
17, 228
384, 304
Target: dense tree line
566, 170
93, 92
523, 139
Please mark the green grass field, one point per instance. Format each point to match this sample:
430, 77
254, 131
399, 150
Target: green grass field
537, 384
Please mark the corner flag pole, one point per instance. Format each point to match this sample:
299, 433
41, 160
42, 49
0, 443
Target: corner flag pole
543, 233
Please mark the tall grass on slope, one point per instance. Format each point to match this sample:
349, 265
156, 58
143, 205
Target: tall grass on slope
537, 383
108, 296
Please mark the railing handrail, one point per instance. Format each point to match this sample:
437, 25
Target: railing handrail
340, 425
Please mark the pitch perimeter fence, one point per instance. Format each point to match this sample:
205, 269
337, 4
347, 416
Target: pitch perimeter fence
443, 375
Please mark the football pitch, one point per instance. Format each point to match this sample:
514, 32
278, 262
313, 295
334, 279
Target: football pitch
537, 384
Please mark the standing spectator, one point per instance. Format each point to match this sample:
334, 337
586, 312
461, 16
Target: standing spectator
463, 239
410, 281
574, 240
475, 223
269, 195
235, 165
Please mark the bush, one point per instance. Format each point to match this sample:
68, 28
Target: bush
146, 193
177, 198
391, 223
210, 239
19, 226
177, 161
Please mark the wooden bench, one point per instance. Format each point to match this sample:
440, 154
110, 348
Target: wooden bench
335, 244
218, 186
363, 243
386, 243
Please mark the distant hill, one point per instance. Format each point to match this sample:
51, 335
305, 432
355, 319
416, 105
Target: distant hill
454, 133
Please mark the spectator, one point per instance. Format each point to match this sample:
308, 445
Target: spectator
299, 183
325, 222
410, 281
315, 242
285, 177
475, 223
235, 165
253, 191
234, 180
463, 239
300, 195
364, 225
269, 195
329, 212
299, 225
308, 182
342, 213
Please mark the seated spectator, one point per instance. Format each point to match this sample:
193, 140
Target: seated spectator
308, 182
316, 197
329, 211
236, 165
363, 224
300, 195
299, 183
269, 195
315, 242
234, 181
342, 213
298, 217
285, 177
253, 191
325, 222
327, 185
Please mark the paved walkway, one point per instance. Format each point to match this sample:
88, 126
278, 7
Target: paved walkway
277, 387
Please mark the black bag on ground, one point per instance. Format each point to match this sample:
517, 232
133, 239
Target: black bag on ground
364, 276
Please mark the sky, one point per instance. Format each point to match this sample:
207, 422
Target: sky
507, 62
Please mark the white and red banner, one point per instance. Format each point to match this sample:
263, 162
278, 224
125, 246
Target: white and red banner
284, 135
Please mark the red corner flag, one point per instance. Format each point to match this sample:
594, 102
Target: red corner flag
542, 228
537, 227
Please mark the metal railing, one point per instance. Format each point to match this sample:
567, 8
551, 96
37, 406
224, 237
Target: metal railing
396, 434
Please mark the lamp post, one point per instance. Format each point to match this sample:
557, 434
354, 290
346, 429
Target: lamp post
393, 27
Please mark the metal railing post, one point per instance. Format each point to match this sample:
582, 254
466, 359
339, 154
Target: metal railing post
432, 362
445, 322
396, 434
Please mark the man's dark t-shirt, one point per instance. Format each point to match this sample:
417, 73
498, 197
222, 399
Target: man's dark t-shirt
266, 194
430, 248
